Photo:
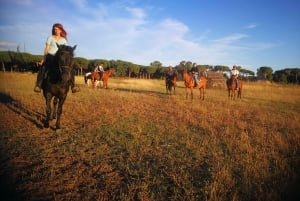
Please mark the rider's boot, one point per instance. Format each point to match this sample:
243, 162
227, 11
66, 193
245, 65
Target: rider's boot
74, 88
39, 80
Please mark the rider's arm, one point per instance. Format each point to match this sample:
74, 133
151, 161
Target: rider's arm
46, 49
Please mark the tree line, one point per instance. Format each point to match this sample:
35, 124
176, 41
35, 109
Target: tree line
26, 62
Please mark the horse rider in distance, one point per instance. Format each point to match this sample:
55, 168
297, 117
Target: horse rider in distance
195, 73
169, 74
234, 75
99, 69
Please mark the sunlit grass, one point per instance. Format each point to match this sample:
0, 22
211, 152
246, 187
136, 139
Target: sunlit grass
135, 142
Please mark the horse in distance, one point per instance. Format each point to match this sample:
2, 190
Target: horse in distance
190, 84
95, 77
57, 83
234, 88
171, 82
202, 83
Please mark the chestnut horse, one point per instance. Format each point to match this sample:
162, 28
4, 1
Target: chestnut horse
171, 82
233, 88
95, 77
190, 84
56, 85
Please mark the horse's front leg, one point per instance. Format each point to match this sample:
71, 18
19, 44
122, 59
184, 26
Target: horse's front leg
233, 94
59, 111
228, 93
48, 110
105, 84
167, 87
240, 94
186, 93
201, 93
54, 108
93, 82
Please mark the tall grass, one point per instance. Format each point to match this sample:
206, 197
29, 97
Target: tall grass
135, 142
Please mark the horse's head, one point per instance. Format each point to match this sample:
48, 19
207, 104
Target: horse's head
175, 73
64, 58
110, 72
184, 73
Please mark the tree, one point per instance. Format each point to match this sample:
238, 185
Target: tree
133, 69
156, 64
288, 75
221, 68
81, 64
265, 73
204, 67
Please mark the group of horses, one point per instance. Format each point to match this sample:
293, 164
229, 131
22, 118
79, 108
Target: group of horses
232, 86
57, 83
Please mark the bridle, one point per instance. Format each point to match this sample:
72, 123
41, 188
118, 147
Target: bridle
65, 68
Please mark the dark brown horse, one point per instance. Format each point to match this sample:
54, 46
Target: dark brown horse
57, 83
171, 82
95, 77
190, 84
232, 88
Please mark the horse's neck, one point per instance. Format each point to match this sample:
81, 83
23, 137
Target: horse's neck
108, 73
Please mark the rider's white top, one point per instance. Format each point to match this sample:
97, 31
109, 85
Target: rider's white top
235, 72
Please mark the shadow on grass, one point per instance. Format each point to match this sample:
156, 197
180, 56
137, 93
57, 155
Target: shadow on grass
8, 187
16, 106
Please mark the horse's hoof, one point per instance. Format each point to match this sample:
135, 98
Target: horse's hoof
75, 89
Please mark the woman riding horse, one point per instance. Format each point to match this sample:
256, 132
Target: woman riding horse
190, 84
233, 84
96, 77
58, 37
57, 83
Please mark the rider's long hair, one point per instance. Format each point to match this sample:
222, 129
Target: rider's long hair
60, 26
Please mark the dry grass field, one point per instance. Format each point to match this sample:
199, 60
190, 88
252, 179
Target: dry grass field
132, 141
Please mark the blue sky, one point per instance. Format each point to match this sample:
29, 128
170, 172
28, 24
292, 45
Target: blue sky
249, 33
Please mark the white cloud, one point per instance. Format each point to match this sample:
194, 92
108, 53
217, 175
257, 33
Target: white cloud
231, 38
250, 26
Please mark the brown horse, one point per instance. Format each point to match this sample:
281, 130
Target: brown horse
190, 84
233, 88
95, 77
171, 82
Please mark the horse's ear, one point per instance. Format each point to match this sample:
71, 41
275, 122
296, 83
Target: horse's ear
74, 47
